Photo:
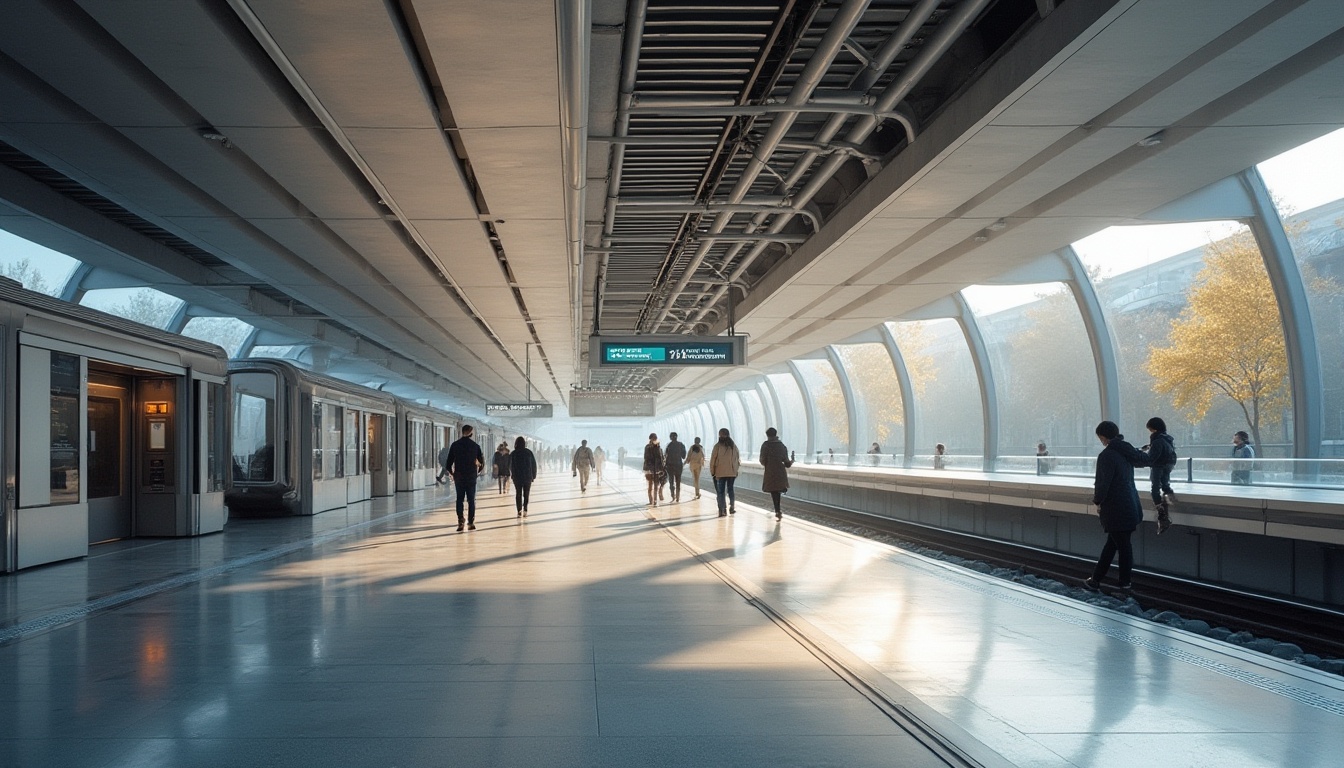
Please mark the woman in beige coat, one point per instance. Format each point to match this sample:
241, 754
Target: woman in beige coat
695, 459
724, 463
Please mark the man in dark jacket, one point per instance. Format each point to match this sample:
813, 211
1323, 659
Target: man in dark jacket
465, 461
674, 458
1117, 502
1161, 450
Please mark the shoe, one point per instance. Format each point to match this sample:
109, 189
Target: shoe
460, 526
723, 514
471, 526
1126, 588
697, 495
1170, 497
779, 515
1163, 523
732, 510
1091, 585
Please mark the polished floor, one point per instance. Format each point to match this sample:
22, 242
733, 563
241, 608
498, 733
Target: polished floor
599, 632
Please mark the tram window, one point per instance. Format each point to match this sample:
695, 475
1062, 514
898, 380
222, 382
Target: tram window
65, 387
254, 417
215, 435
317, 441
332, 443
352, 442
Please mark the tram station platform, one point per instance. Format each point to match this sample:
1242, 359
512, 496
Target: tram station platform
598, 631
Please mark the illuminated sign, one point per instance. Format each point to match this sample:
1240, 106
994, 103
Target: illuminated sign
529, 410
666, 351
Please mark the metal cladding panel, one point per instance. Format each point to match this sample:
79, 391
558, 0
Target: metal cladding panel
418, 169
496, 73
196, 55
520, 171
300, 160
465, 252
352, 55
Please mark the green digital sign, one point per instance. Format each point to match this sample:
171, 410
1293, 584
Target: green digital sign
668, 351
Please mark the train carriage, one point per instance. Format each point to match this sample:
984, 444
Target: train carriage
123, 430
304, 443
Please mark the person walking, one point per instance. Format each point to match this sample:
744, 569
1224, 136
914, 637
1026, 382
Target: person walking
620, 459
695, 460
1117, 503
582, 464
1244, 452
675, 457
503, 463
776, 460
655, 468
523, 467
1161, 450
465, 462
724, 464
599, 460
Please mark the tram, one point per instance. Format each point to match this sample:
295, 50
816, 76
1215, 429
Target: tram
111, 429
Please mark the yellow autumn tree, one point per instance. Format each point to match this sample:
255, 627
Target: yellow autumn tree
874, 378
1228, 341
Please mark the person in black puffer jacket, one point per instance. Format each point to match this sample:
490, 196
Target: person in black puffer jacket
1117, 502
1161, 450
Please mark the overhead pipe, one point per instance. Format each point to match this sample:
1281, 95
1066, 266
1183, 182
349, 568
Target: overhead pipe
636, 14
572, 22
830, 46
713, 208
947, 34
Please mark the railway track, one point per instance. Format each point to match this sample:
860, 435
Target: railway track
1317, 629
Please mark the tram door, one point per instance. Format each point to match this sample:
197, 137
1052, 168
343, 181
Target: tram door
379, 466
110, 453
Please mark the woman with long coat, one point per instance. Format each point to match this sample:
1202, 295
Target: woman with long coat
523, 467
1117, 502
775, 458
724, 464
695, 460
655, 469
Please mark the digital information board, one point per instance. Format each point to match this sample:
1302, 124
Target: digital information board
666, 351
529, 410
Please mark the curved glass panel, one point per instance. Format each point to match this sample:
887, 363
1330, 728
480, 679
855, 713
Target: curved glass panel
793, 431
706, 424
140, 305
1198, 336
756, 415
1044, 374
281, 351
737, 417
718, 419
1307, 184
877, 395
832, 420
36, 267
227, 332
947, 392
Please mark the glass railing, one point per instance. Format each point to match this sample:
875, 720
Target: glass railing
1279, 473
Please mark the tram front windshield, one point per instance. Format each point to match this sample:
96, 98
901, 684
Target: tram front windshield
254, 426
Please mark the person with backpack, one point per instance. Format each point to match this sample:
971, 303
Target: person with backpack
523, 465
655, 469
1161, 450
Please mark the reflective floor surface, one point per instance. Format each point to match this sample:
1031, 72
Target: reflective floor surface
599, 632
583, 636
